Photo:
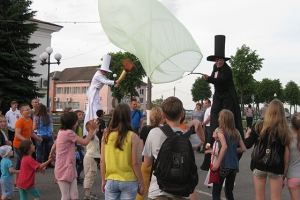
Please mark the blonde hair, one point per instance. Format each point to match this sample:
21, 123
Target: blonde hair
226, 121
296, 124
88, 124
155, 116
275, 122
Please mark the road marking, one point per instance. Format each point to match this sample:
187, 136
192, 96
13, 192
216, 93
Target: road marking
208, 194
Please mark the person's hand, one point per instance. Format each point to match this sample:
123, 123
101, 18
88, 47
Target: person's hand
196, 123
118, 81
215, 167
248, 133
205, 76
103, 186
141, 189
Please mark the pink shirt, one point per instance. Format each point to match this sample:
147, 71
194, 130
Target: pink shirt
27, 173
65, 165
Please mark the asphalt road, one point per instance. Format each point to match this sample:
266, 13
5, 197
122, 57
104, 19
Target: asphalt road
244, 188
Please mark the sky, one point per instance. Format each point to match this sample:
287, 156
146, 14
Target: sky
271, 28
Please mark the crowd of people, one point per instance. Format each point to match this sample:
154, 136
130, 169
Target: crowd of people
90, 146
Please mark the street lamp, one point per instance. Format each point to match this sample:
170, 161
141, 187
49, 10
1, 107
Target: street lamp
174, 87
45, 60
275, 95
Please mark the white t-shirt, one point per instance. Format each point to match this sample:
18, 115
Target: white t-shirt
206, 114
153, 143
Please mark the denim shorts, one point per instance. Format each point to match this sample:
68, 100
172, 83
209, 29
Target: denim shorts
265, 174
121, 190
7, 187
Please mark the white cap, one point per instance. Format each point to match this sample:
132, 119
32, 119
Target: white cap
4, 150
105, 63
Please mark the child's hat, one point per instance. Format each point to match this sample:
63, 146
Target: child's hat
4, 150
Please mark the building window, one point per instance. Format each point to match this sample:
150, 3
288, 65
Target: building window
59, 90
67, 90
76, 90
142, 91
84, 90
142, 100
75, 105
58, 105
67, 105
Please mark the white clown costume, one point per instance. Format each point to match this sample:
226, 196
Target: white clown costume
98, 81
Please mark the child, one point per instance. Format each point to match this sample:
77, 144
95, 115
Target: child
79, 147
90, 162
102, 127
29, 167
227, 162
172, 112
7, 171
214, 156
65, 166
119, 158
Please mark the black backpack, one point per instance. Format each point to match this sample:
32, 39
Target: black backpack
175, 167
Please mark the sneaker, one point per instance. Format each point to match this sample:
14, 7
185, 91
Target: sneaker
79, 182
89, 197
94, 195
16, 189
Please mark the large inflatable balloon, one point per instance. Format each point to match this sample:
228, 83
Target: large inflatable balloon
152, 33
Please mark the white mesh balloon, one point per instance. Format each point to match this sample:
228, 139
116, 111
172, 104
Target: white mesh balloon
152, 33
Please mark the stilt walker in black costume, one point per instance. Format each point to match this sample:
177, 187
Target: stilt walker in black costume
225, 96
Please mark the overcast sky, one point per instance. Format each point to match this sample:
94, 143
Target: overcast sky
269, 27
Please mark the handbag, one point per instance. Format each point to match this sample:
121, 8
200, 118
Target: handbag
268, 156
214, 176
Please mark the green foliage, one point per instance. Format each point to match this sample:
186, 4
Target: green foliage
200, 90
132, 79
16, 61
292, 94
266, 90
244, 64
157, 102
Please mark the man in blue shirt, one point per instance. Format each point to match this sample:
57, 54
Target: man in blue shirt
137, 118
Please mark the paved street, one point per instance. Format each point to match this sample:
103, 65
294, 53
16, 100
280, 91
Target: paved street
244, 189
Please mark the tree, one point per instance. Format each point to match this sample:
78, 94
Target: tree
266, 90
16, 61
132, 79
157, 102
244, 64
292, 94
200, 90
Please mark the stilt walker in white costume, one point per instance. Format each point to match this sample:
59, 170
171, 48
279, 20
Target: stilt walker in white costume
98, 81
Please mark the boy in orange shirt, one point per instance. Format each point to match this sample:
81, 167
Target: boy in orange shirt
23, 131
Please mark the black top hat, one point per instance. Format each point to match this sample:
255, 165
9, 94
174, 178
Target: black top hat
219, 49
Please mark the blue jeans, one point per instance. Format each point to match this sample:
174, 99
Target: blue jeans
43, 148
79, 163
121, 190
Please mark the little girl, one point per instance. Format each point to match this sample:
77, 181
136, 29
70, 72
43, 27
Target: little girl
29, 167
214, 155
65, 165
227, 162
7, 172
